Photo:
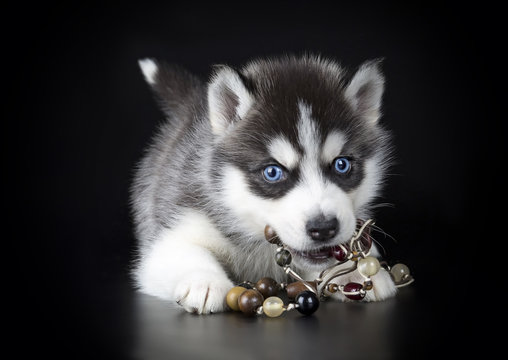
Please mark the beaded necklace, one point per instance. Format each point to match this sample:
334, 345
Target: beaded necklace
260, 297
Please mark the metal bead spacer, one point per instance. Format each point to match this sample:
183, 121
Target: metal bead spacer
291, 306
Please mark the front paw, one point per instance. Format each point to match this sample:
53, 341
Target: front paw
383, 287
203, 293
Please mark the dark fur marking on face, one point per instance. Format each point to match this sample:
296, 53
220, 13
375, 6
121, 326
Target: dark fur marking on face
275, 190
348, 181
278, 87
251, 157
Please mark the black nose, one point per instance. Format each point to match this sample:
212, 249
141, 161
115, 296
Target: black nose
322, 229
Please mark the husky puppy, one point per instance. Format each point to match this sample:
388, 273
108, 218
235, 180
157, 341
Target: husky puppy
293, 142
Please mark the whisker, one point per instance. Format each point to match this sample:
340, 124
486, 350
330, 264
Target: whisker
383, 205
377, 229
384, 233
378, 243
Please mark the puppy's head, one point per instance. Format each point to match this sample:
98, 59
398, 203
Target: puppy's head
298, 147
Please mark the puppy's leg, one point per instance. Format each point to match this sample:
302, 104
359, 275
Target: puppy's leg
383, 287
182, 266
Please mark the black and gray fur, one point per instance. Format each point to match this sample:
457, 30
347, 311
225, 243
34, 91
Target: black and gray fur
183, 167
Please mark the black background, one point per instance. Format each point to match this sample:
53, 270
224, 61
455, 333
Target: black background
79, 115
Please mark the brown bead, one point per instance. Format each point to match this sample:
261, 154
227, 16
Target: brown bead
367, 285
232, 297
249, 301
297, 287
333, 288
356, 255
267, 287
270, 235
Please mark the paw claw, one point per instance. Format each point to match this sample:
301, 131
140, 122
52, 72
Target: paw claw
204, 293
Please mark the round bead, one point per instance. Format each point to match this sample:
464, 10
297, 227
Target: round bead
338, 253
366, 240
307, 302
353, 287
368, 285
368, 266
247, 285
270, 235
399, 271
267, 287
333, 288
249, 301
273, 306
297, 287
232, 297
283, 257
355, 255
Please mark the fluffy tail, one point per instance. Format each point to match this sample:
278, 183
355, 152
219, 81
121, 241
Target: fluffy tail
180, 94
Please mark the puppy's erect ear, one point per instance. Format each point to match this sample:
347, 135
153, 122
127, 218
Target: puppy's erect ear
228, 99
365, 90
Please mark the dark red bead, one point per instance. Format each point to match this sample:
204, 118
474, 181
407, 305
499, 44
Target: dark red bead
366, 240
338, 253
354, 287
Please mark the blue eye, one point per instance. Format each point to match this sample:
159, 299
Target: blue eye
342, 165
272, 173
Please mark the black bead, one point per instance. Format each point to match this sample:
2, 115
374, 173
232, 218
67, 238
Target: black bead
247, 284
283, 258
308, 302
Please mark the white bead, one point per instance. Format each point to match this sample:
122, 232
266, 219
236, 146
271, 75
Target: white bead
273, 306
398, 272
368, 266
